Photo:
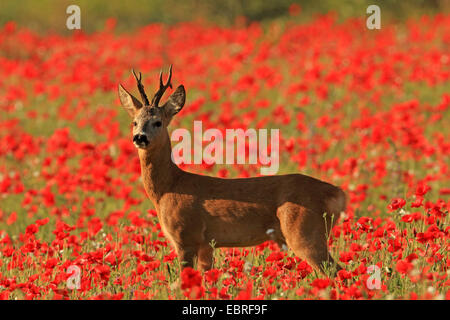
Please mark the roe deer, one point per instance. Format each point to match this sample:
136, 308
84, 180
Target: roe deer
194, 210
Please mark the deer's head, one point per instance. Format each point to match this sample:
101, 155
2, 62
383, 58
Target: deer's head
150, 120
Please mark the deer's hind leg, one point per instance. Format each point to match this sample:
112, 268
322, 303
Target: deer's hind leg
305, 233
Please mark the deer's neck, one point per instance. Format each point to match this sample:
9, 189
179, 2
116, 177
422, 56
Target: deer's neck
158, 171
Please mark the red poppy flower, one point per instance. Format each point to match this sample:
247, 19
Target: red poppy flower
396, 203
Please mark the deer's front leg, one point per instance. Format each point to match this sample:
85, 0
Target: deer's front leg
186, 256
205, 258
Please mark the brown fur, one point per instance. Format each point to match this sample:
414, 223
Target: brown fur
195, 210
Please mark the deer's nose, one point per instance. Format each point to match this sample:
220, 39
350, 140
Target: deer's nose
140, 139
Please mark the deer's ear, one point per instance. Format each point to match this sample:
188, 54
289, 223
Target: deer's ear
176, 101
129, 102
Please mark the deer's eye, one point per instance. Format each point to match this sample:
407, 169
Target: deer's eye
134, 123
157, 124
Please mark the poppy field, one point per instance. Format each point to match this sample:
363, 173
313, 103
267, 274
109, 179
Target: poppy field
366, 110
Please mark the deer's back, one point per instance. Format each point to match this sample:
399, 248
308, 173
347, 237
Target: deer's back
270, 191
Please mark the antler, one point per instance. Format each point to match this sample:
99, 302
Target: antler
141, 88
162, 87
